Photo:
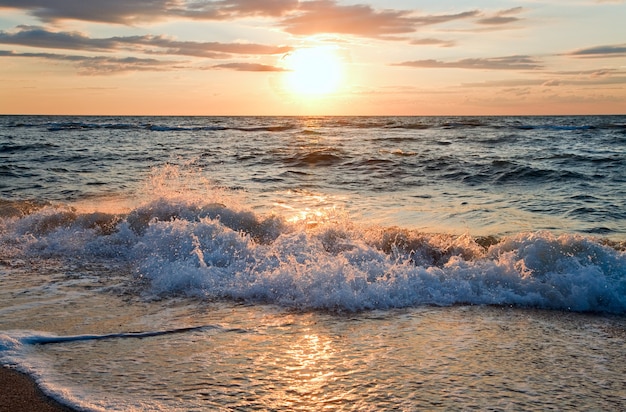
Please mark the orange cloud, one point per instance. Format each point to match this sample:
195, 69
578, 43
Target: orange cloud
136, 11
326, 16
432, 42
248, 67
100, 65
294, 16
40, 37
110, 11
502, 17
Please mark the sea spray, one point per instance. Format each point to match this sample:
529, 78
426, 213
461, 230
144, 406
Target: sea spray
213, 251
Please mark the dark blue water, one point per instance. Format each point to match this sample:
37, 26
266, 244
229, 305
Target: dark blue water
482, 175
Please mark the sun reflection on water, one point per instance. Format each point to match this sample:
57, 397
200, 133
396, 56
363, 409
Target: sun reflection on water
310, 209
309, 364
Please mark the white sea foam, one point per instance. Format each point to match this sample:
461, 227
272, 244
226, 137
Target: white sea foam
215, 251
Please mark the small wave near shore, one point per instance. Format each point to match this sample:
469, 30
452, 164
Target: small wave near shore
213, 250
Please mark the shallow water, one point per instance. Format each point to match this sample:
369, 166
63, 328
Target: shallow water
233, 356
460, 358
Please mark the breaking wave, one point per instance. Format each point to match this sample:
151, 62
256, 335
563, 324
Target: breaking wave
216, 250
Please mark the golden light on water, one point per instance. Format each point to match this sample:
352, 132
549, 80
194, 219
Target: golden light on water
309, 351
113, 204
310, 367
311, 217
307, 208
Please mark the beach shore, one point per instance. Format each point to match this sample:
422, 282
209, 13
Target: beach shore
20, 393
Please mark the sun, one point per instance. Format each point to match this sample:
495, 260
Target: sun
313, 70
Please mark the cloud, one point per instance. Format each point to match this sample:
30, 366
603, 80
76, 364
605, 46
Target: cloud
518, 91
109, 11
326, 16
506, 83
203, 49
593, 73
551, 83
491, 63
100, 65
502, 17
562, 79
248, 67
600, 73
34, 36
230, 9
137, 11
615, 50
432, 42
39, 37
294, 16
10, 53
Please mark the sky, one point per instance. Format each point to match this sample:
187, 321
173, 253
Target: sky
316, 57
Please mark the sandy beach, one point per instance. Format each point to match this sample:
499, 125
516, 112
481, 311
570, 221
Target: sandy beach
20, 393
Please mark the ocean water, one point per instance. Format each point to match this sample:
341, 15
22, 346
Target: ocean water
316, 263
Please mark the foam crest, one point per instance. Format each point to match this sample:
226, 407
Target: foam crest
7, 343
334, 267
215, 250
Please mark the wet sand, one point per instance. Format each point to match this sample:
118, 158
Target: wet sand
19, 393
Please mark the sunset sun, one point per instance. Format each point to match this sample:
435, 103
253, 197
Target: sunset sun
313, 71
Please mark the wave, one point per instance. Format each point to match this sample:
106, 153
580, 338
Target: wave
16, 352
318, 157
520, 173
307, 125
145, 126
11, 208
16, 148
554, 127
214, 251
33, 338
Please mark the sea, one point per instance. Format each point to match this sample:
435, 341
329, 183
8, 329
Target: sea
315, 263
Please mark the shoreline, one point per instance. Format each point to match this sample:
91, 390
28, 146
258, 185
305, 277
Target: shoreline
20, 393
